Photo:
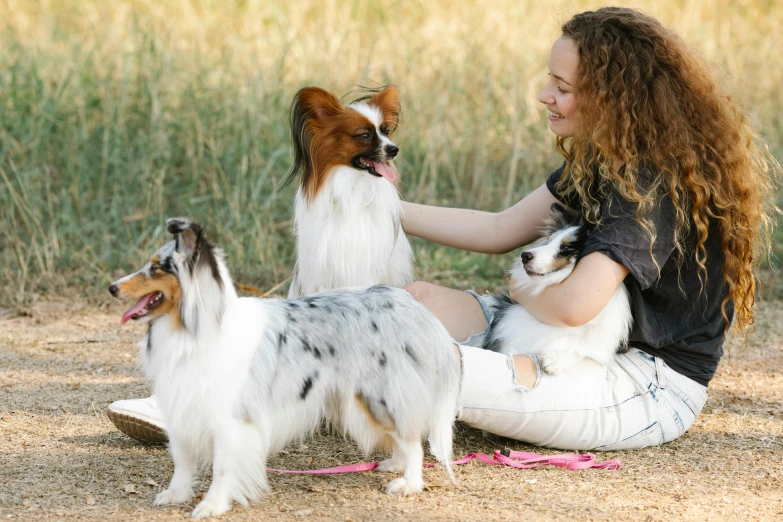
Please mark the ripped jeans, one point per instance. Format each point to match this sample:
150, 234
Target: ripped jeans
635, 402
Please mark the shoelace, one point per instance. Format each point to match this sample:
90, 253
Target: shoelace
506, 457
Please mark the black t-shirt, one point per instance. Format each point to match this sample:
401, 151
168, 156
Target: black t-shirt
674, 318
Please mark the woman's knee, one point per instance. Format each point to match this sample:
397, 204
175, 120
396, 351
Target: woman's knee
526, 372
422, 291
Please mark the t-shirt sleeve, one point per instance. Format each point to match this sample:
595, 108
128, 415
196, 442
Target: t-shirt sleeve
553, 178
622, 237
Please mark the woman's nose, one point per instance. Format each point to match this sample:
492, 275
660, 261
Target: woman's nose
545, 96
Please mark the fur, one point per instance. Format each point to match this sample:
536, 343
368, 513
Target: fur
238, 378
548, 262
347, 208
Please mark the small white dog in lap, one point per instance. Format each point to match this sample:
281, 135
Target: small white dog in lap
238, 378
549, 261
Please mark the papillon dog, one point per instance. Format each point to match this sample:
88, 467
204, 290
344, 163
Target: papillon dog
347, 210
549, 261
238, 378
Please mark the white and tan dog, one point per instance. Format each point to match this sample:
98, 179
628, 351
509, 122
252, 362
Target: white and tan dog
548, 262
347, 211
238, 378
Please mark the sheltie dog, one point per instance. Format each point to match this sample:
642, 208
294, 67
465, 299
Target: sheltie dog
347, 209
549, 261
238, 378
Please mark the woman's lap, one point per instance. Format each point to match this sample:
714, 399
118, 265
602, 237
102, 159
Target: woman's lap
637, 401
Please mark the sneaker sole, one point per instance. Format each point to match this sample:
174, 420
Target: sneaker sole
137, 428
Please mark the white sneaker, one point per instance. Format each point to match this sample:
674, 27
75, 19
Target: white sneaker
140, 419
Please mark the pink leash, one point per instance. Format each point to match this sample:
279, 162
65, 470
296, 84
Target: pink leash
506, 457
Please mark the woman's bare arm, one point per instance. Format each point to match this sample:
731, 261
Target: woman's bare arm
580, 297
477, 231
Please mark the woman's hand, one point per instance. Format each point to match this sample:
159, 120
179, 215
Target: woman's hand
580, 297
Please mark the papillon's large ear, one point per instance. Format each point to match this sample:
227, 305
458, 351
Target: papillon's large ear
314, 102
388, 101
311, 108
186, 232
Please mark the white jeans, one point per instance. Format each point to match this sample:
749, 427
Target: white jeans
637, 401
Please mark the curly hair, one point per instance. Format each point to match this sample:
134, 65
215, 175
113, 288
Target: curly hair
647, 100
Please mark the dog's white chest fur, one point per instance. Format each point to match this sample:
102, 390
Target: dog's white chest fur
350, 235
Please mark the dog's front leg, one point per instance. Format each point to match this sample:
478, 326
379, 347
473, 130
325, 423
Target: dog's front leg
220, 495
181, 487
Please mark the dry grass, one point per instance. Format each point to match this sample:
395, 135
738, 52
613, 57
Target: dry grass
61, 458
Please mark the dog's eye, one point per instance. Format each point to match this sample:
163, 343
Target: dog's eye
365, 136
154, 268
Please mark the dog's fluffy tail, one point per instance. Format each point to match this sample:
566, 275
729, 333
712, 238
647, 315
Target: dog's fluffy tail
442, 424
441, 435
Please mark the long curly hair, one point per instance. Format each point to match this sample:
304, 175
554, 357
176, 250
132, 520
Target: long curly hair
646, 99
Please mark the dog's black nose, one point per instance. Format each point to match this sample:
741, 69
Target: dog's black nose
113, 290
526, 257
392, 150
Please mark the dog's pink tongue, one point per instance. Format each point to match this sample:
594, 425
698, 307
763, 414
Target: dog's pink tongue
138, 307
384, 170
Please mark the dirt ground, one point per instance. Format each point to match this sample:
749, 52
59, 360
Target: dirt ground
61, 458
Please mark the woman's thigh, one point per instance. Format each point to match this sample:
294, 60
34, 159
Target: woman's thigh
591, 408
460, 312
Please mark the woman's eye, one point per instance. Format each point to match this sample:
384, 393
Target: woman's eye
560, 89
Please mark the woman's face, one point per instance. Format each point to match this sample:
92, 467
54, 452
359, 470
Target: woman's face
558, 94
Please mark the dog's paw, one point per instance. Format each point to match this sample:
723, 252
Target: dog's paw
210, 508
391, 465
403, 487
557, 363
173, 496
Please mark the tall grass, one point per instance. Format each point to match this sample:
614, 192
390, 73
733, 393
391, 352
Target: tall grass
116, 115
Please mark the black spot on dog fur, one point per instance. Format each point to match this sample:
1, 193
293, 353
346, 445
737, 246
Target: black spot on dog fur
308, 385
492, 342
168, 266
374, 326
383, 359
331, 350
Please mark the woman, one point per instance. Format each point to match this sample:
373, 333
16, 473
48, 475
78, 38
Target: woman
662, 163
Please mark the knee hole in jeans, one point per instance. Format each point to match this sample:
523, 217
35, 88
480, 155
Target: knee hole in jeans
525, 371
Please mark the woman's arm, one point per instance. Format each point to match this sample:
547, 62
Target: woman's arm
580, 297
477, 231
